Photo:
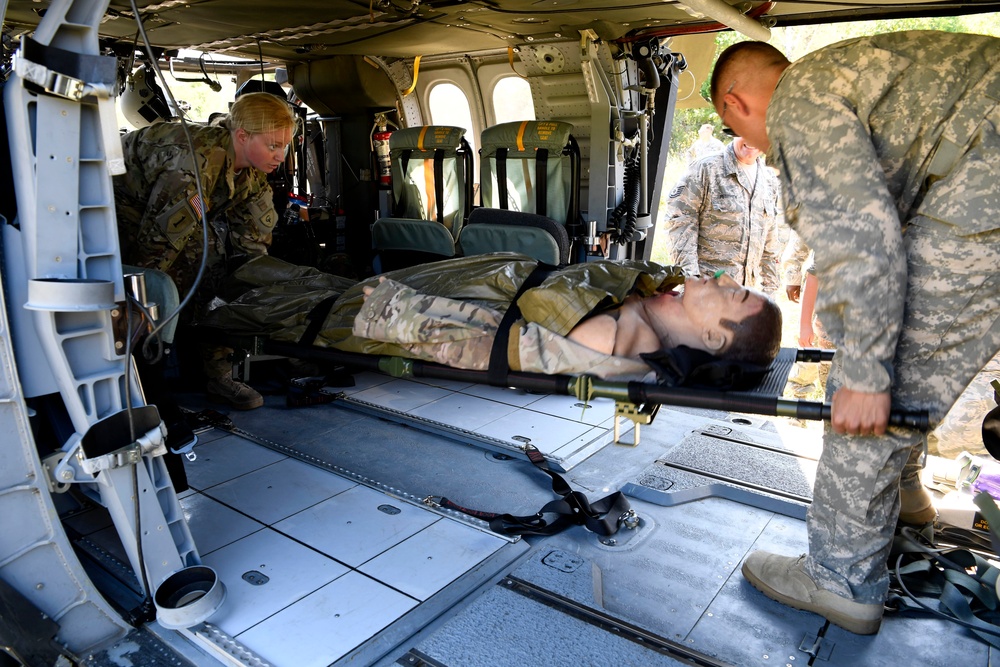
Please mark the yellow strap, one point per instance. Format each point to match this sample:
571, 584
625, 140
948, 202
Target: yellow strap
420, 139
520, 134
510, 59
416, 70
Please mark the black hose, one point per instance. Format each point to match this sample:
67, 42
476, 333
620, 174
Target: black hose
628, 209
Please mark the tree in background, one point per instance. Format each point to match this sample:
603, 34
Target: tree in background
797, 41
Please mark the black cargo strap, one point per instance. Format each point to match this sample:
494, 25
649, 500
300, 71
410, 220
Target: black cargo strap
603, 517
398, 208
439, 183
404, 162
958, 585
496, 374
316, 319
541, 176
501, 159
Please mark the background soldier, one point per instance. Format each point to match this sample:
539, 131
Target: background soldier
722, 215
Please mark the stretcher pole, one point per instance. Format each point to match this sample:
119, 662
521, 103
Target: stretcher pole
586, 387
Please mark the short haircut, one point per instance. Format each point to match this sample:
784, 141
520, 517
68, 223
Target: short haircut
762, 53
757, 337
260, 113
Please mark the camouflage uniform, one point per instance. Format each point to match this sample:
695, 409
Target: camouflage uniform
704, 147
796, 261
159, 220
889, 155
720, 216
449, 311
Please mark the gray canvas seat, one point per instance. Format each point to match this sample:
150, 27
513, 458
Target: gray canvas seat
530, 184
432, 196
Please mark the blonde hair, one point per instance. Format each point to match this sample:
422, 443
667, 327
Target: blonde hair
260, 113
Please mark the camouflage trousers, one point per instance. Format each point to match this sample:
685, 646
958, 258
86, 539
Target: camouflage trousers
950, 331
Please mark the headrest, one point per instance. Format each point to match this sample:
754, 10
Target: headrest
526, 136
426, 138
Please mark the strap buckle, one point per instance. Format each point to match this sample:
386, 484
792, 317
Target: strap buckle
629, 519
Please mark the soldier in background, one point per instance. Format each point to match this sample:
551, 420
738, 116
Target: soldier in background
705, 144
722, 216
160, 210
874, 136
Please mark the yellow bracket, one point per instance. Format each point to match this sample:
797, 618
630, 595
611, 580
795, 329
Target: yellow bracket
639, 414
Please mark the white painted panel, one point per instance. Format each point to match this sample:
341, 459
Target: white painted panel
213, 525
516, 397
400, 395
363, 381
450, 385
462, 411
293, 571
570, 407
545, 432
326, 625
351, 528
433, 558
225, 459
279, 490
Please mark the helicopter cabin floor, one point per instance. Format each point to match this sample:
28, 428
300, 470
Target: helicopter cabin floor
313, 519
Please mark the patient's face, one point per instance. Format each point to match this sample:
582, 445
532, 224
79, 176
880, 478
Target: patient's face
708, 300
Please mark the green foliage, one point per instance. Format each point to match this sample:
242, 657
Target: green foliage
797, 41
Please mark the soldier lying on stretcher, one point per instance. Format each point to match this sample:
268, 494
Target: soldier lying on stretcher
597, 318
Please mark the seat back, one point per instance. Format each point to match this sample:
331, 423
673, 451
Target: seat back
533, 167
432, 175
491, 229
431, 196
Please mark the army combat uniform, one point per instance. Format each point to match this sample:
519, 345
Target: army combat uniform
449, 311
722, 217
889, 155
159, 215
159, 210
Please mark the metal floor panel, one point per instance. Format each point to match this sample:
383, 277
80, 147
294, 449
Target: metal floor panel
570, 599
318, 567
563, 428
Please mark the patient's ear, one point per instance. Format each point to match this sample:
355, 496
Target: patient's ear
714, 338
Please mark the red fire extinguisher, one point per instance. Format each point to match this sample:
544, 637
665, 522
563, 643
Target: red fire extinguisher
380, 146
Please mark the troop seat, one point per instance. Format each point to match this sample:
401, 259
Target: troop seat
493, 229
431, 196
530, 171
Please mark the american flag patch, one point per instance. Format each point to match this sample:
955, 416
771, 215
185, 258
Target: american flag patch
196, 204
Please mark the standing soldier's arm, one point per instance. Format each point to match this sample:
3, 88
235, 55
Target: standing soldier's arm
770, 261
838, 200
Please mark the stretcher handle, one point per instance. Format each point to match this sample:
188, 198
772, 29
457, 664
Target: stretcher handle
815, 411
915, 419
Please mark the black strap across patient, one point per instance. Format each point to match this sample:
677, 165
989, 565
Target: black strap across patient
499, 367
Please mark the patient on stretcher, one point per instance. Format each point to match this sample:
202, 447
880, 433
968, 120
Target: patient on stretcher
598, 318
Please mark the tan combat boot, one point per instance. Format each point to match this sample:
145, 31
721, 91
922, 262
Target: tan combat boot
784, 579
916, 507
233, 393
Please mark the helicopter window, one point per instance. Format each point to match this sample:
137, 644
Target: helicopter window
512, 100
